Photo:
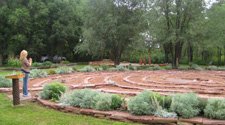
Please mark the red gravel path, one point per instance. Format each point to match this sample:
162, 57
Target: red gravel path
205, 83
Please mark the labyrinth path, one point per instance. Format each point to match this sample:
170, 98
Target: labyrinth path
206, 83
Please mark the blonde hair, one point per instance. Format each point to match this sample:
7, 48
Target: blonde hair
23, 54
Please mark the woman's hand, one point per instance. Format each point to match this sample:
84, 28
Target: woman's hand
30, 60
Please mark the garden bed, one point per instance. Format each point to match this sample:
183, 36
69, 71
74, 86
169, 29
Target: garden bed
127, 117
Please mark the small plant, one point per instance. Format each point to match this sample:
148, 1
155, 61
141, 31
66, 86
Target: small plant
165, 114
47, 64
103, 102
144, 103
65, 62
212, 68
195, 67
116, 101
87, 98
37, 73
53, 91
185, 105
51, 72
87, 69
64, 70
202, 104
105, 67
5, 83
156, 67
36, 64
121, 68
215, 109
13, 62
130, 67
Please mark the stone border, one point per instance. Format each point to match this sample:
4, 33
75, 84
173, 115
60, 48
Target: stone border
127, 117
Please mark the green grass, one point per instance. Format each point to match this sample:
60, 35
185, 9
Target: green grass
33, 114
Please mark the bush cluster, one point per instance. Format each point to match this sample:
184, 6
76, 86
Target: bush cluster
5, 83
64, 70
87, 69
215, 109
87, 98
53, 91
13, 62
37, 73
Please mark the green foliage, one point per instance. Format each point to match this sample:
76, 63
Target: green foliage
51, 72
105, 67
87, 69
13, 62
87, 98
145, 103
195, 67
53, 91
121, 68
37, 73
5, 83
47, 64
212, 68
165, 114
103, 102
65, 62
64, 70
131, 67
36, 64
116, 102
202, 104
215, 109
185, 105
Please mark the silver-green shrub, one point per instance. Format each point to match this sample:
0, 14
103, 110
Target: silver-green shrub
144, 103
215, 109
5, 83
121, 68
87, 69
185, 105
37, 73
103, 102
64, 70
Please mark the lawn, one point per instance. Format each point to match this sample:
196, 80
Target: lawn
32, 114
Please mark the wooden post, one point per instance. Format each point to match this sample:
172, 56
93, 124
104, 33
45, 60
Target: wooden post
15, 88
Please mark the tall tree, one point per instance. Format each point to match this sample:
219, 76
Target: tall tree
110, 26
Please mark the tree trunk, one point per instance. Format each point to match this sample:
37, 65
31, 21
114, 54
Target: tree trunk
1, 59
190, 53
177, 55
219, 56
149, 56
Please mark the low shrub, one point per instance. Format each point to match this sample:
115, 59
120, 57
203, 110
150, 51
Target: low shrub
185, 105
87, 69
105, 67
144, 103
51, 72
36, 64
116, 102
212, 68
47, 64
202, 104
121, 68
64, 70
196, 67
53, 91
156, 67
130, 67
215, 109
87, 98
103, 102
65, 62
37, 73
165, 114
5, 83
13, 62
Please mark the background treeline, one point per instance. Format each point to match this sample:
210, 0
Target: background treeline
167, 31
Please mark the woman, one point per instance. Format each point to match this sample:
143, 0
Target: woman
26, 64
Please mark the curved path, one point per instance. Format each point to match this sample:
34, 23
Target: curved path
208, 84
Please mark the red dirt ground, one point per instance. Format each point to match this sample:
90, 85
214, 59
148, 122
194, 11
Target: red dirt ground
208, 84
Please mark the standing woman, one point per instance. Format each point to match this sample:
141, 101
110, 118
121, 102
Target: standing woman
26, 64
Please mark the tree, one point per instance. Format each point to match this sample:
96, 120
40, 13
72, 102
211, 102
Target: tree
175, 17
110, 27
